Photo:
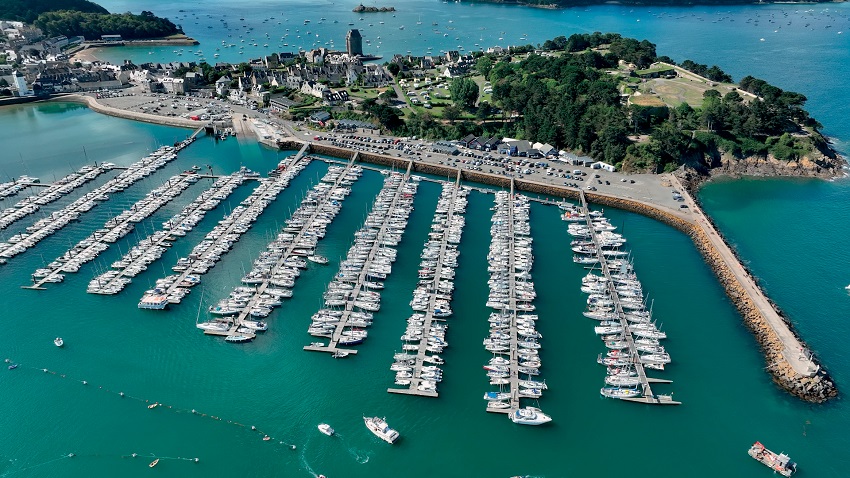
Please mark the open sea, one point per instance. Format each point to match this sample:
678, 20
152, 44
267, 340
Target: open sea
790, 232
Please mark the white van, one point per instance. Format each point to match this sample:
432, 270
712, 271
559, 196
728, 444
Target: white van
577, 172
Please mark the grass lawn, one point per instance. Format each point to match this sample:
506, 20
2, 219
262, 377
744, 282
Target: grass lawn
480, 80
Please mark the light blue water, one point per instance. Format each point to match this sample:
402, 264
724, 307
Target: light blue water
791, 232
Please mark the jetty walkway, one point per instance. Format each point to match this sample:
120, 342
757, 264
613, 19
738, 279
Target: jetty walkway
115, 228
319, 208
51, 192
337, 335
428, 335
648, 395
152, 247
59, 219
793, 352
220, 239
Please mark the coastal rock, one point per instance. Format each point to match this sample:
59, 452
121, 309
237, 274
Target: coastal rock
362, 8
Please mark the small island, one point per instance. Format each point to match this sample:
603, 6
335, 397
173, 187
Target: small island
364, 9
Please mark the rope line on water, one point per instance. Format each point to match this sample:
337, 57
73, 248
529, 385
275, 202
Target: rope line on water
151, 405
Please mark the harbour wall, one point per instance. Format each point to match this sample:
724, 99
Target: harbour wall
814, 387
94, 105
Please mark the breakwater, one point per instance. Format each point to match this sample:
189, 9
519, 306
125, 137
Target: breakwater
94, 105
791, 365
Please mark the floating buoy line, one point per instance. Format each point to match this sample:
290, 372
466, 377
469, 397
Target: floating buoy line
156, 459
152, 404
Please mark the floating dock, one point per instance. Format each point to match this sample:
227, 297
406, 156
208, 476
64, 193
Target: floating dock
429, 319
115, 228
217, 242
59, 219
337, 335
260, 289
152, 247
648, 395
50, 193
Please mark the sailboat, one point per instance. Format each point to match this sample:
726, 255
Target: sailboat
420, 20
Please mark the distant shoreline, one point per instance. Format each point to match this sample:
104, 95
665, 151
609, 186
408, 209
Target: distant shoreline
649, 3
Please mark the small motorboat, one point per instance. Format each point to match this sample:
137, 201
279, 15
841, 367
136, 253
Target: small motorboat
153, 405
340, 354
317, 259
267, 438
58, 342
153, 463
326, 429
13, 366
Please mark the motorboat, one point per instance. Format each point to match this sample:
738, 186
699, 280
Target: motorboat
58, 342
318, 259
326, 429
379, 427
529, 416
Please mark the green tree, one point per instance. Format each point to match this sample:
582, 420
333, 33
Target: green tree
483, 66
451, 113
393, 68
464, 92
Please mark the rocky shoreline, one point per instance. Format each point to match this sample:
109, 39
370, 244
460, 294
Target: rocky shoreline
817, 388
364, 9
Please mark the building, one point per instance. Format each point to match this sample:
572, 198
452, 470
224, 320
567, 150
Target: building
110, 38
222, 85
354, 43
279, 105
320, 117
20, 84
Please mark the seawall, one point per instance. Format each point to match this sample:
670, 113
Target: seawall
790, 364
93, 104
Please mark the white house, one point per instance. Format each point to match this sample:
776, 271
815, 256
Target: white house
222, 85
20, 84
604, 166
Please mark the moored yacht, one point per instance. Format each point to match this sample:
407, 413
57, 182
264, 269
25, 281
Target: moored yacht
529, 416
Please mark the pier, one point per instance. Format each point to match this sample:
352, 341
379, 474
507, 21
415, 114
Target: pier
152, 247
308, 227
57, 220
358, 286
51, 193
115, 228
218, 242
416, 386
648, 395
511, 259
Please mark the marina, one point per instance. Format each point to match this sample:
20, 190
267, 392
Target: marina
513, 339
50, 193
610, 295
115, 228
352, 297
275, 270
204, 256
152, 247
426, 330
57, 220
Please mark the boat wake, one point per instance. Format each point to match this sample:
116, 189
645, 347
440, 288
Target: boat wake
360, 456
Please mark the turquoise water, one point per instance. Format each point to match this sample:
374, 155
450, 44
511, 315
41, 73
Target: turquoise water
285, 392
790, 232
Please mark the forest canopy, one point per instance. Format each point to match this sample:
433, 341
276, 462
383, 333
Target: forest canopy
28, 10
93, 25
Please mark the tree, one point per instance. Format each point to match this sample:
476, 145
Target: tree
483, 66
464, 92
394, 68
451, 113
3, 82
